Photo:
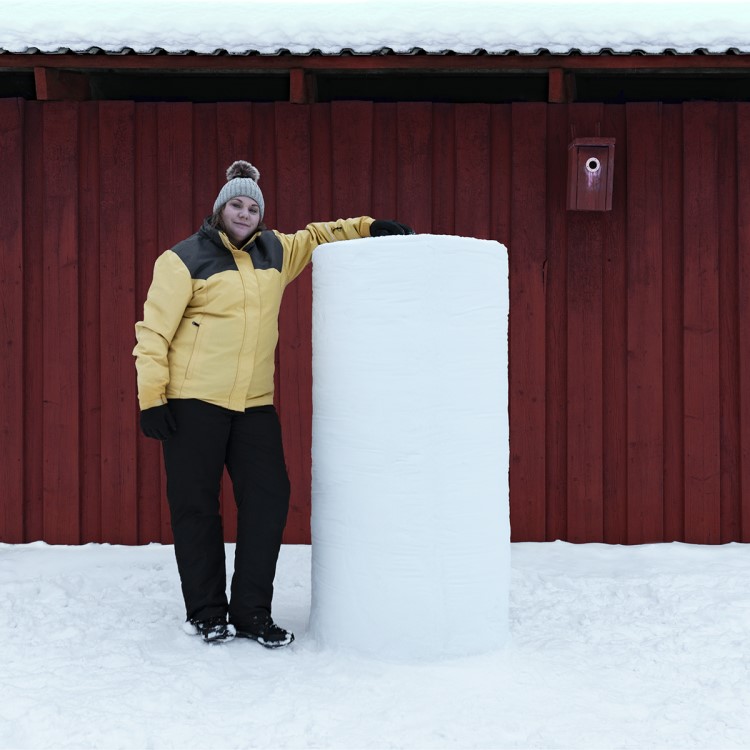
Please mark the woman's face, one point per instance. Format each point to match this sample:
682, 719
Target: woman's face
240, 217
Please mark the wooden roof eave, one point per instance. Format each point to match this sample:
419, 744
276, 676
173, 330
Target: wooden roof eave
418, 61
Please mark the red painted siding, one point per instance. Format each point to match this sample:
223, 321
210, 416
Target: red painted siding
644, 329
743, 321
12, 320
629, 329
527, 356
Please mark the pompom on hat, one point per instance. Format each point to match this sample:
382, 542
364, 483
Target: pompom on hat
242, 179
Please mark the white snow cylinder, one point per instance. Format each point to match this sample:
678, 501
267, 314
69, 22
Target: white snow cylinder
410, 517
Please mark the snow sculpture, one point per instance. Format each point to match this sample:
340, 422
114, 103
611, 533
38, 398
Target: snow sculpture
410, 529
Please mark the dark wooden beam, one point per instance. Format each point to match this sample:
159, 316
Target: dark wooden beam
413, 63
301, 86
556, 93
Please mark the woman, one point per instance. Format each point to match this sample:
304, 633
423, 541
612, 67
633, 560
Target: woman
205, 363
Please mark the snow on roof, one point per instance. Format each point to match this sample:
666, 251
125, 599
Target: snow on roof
272, 27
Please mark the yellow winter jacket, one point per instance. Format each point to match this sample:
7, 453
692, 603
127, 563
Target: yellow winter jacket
210, 321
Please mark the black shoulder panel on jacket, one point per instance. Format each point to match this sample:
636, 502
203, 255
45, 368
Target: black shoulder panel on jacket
203, 257
267, 251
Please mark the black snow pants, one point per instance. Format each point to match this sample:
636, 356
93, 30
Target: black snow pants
209, 437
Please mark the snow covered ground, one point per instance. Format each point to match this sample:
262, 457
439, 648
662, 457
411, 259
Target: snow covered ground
612, 647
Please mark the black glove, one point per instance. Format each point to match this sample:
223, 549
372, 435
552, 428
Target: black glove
380, 228
158, 422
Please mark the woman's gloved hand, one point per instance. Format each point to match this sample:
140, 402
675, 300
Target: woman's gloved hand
381, 228
158, 422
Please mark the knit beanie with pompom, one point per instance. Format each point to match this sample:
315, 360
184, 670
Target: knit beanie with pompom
242, 179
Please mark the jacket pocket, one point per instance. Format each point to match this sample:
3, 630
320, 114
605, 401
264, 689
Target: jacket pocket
195, 328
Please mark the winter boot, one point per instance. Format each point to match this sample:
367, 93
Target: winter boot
263, 629
212, 630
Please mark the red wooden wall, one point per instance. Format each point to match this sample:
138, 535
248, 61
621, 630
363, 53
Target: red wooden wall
630, 329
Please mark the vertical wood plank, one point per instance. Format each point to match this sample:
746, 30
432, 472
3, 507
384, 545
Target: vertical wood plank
321, 169
91, 250
11, 320
153, 512
33, 323
553, 439
59, 235
729, 395
444, 155
117, 312
352, 155
414, 163
500, 172
701, 334
585, 395
234, 131
384, 191
175, 175
294, 367
206, 170
645, 383
614, 344
528, 255
672, 316
472, 187
743, 306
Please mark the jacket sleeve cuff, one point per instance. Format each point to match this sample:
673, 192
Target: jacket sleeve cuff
151, 403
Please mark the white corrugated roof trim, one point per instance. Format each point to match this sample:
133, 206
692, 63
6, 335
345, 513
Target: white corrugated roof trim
365, 26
